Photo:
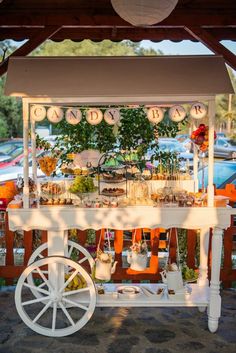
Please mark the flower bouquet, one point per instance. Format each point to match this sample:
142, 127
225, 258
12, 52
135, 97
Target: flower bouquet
137, 256
200, 137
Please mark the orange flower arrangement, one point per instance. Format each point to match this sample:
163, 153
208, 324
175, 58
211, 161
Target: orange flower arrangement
7, 193
201, 137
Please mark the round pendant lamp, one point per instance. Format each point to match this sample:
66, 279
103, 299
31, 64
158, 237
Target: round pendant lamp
143, 12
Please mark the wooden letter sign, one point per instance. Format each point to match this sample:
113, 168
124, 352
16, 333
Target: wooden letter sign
73, 116
112, 116
37, 112
198, 111
177, 113
155, 115
55, 114
94, 116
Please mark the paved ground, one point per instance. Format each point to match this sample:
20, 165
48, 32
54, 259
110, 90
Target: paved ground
121, 330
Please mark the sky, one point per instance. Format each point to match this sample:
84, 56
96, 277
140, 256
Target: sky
186, 47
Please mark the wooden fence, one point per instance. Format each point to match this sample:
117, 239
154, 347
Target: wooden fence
10, 271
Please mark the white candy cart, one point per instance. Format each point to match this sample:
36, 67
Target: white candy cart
46, 307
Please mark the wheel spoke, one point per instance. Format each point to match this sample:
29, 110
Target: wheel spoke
35, 271
42, 285
82, 260
54, 316
68, 281
44, 291
28, 302
81, 306
70, 251
44, 278
65, 294
66, 314
42, 311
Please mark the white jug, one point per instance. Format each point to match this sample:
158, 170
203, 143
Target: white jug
138, 262
173, 279
104, 270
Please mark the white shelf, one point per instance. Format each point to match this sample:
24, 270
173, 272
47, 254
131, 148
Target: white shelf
198, 297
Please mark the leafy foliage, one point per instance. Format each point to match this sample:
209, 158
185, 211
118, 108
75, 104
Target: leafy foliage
76, 138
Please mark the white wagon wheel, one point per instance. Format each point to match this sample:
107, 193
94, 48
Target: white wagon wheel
42, 314
38, 254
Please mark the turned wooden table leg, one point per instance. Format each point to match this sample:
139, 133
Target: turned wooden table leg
214, 309
203, 268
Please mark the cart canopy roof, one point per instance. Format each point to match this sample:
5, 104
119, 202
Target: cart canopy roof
136, 77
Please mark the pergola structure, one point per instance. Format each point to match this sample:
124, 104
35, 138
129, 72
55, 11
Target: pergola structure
207, 21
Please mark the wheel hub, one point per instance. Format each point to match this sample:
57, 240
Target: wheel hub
56, 297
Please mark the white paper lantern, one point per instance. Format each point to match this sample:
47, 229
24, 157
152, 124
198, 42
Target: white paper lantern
37, 112
73, 116
177, 113
94, 116
198, 110
55, 114
144, 12
155, 115
112, 116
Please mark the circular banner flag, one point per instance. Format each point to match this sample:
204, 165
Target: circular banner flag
94, 116
112, 116
55, 114
155, 115
73, 116
177, 113
198, 110
38, 112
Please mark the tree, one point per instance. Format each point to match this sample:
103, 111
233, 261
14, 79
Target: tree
226, 105
10, 107
89, 48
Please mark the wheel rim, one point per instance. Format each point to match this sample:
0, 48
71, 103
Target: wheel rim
38, 254
56, 312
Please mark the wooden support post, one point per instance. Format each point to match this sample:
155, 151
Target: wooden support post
191, 247
210, 188
213, 44
30, 45
9, 236
172, 245
28, 245
26, 153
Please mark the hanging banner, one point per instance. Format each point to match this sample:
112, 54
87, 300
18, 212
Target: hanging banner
37, 112
112, 116
55, 114
94, 116
177, 113
73, 116
155, 115
198, 110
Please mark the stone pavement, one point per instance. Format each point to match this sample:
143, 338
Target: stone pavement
121, 330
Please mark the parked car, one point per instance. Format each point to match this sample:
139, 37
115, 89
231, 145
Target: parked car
172, 145
224, 173
182, 137
224, 149
8, 147
14, 160
220, 135
11, 172
4, 157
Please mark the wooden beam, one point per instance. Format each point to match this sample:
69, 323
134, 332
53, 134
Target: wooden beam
120, 33
210, 42
30, 45
107, 17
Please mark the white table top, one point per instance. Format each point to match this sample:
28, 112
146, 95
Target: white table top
56, 218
